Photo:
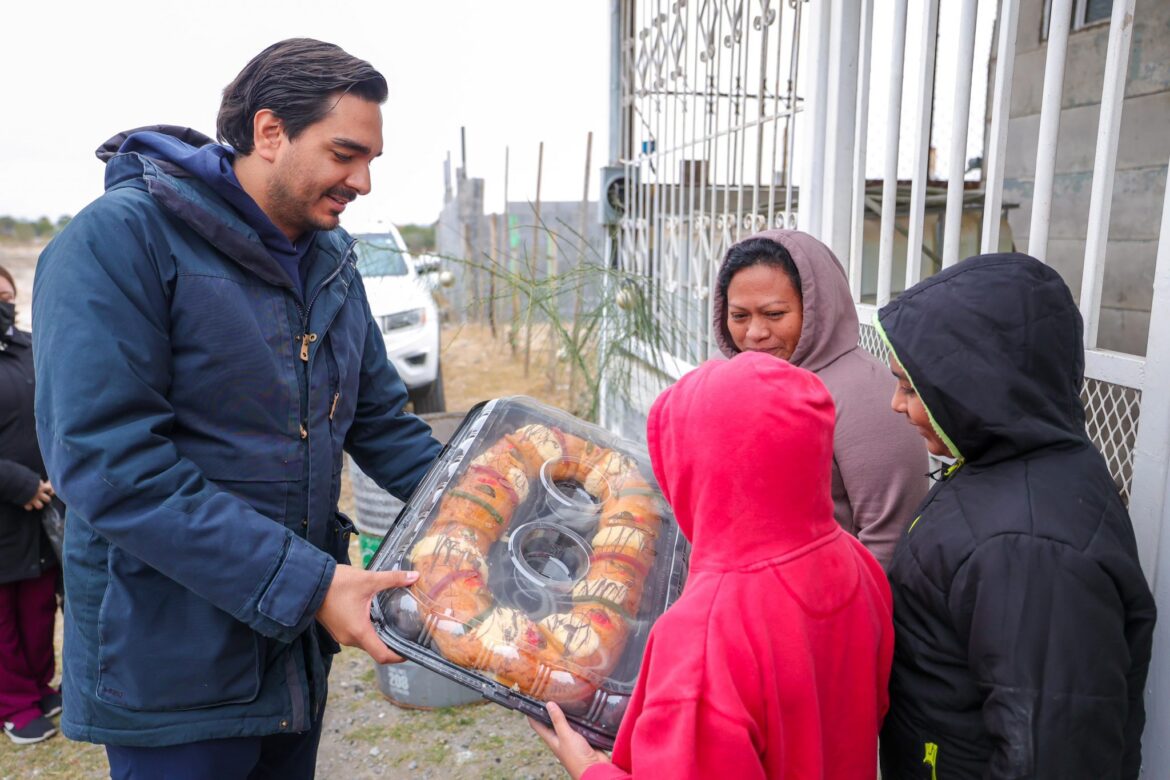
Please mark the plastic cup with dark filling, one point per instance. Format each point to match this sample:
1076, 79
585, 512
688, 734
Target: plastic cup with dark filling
566, 501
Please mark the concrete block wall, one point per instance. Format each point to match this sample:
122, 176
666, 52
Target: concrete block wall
1140, 182
463, 228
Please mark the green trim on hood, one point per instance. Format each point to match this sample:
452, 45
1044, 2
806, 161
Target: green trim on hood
933, 423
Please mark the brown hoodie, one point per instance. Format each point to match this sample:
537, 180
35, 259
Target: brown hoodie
879, 462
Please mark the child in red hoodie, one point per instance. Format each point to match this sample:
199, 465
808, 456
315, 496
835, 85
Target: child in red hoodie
775, 660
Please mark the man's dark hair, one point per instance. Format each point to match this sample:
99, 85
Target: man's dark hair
299, 80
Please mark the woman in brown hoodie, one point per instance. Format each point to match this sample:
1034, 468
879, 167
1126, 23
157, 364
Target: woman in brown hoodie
785, 293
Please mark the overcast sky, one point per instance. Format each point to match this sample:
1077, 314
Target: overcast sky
515, 73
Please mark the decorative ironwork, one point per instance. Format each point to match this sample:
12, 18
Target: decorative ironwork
872, 343
706, 89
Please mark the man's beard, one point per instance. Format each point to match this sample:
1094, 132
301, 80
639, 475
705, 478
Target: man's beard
294, 210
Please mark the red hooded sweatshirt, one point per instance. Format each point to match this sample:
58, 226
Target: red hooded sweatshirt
775, 659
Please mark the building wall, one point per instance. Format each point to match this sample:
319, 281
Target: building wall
1141, 164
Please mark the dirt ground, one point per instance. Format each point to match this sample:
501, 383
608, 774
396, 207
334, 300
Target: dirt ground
365, 736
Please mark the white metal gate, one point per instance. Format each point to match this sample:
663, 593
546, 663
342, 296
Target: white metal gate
729, 116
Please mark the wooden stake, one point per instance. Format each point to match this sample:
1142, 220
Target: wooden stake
510, 259
532, 263
493, 233
581, 260
550, 335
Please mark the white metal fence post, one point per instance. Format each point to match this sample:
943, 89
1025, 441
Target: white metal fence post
1150, 502
1059, 22
1105, 166
812, 188
842, 115
890, 176
1005, 66
960, 117
919, 176
857, 228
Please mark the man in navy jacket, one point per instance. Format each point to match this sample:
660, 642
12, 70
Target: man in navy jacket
205, 355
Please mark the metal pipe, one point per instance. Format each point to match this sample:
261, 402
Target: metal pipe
840, 122
860, 138
922, 145
763, 84
890, 179
793, 70
1150, 495
1105, 166
776, 108
1005, 65
811, 209
1060, 20
615, 80
960, 117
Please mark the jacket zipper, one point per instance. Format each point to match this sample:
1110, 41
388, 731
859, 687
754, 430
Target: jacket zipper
308, 338
931, 759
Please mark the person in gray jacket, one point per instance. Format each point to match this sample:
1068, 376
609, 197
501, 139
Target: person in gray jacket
784, 292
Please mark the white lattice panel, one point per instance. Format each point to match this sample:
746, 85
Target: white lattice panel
872, 343
1111, 413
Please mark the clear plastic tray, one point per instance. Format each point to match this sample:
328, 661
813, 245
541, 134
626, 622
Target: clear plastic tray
545, 553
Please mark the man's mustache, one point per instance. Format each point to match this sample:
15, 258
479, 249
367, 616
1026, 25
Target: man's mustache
343, 193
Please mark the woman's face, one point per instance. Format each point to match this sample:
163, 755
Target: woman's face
7, 291
907, 402
764, 311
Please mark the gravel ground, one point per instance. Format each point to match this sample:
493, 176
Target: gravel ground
365, 736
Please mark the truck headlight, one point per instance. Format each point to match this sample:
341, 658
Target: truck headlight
403, 319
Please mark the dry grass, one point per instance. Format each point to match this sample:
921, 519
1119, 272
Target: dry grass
477, 367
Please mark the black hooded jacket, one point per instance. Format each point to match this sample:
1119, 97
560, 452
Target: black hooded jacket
24, 549
1023, 621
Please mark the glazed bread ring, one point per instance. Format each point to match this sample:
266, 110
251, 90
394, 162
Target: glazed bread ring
564, 656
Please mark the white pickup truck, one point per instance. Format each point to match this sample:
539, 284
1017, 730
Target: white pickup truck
405, 310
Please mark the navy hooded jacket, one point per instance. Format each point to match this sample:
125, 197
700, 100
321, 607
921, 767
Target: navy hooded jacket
192, 407
1023, 622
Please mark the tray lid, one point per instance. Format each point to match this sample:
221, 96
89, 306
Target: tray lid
545, 552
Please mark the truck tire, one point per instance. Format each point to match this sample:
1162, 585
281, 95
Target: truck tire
429, 398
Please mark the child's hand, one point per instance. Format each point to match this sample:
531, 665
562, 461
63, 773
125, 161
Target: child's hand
570, 748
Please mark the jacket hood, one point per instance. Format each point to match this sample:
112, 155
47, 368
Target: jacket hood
224, 215
993, 348
747, 481
830, 327
185, 134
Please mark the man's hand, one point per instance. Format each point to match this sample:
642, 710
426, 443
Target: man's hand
571, 749
345, 612
41, 498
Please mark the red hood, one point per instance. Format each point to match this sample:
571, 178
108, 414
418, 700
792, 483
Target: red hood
748, 444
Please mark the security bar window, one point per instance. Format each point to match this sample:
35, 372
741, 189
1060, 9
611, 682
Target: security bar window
1085, 13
